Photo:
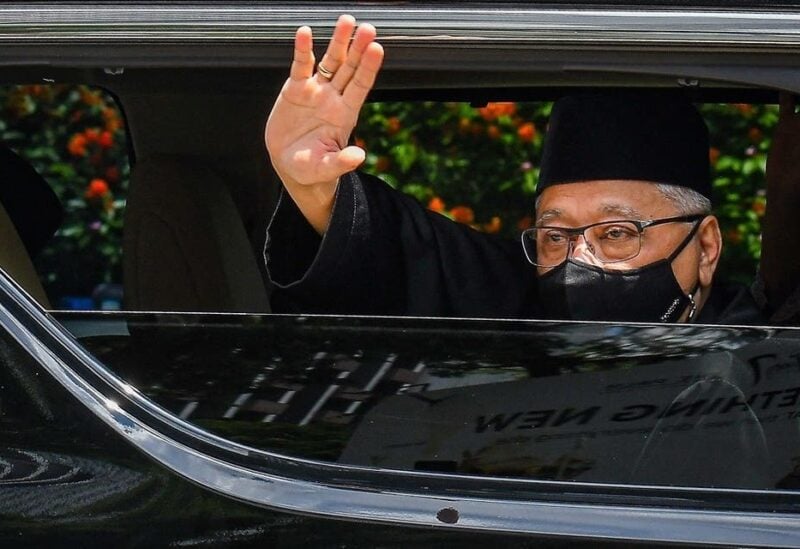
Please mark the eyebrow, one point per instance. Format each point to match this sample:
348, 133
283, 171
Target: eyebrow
547, 215
624, 212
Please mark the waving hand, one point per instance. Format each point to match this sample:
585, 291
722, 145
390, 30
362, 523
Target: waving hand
312, 119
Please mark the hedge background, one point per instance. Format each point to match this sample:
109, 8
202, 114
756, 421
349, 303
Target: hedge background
75, 138
475, 165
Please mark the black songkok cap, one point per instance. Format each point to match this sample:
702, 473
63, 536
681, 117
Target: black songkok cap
653, 136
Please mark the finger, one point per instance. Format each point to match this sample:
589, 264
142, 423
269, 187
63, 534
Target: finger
303, 62
787, 104
365, 35
360, 85
337, 47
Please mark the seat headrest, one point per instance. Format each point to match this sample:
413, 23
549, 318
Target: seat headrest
32, 206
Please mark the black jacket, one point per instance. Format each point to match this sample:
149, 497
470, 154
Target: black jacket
385, 254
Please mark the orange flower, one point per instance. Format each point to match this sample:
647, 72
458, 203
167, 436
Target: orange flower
436, 204
525, 223
106, 140
734, 236
393, 125
713, 155
493, 132
493, 111
91, 98
759, 206
92, 134
464, 125
755, 135
77, 145
97, 188
382, 164
463, 214
360, 143
744, 108
112, 119
493, 226
527, 132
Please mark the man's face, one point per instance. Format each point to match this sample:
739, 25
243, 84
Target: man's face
579, 204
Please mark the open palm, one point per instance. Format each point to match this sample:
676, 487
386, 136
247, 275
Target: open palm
312, 119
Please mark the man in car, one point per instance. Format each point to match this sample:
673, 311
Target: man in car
623, 226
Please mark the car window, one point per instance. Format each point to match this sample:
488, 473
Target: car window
610, 404
75, 138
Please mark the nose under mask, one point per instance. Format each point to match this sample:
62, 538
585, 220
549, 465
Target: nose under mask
577, 291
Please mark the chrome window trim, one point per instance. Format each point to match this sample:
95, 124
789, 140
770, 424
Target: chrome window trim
647, 28
337, 491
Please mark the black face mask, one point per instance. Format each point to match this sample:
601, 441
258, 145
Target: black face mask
578, 291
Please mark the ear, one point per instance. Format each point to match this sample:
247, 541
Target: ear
709, 239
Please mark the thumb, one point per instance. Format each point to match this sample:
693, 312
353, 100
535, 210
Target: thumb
352, 156
346, 160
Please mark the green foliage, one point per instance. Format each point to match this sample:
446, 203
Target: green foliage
74, 137
480, 165
741, 136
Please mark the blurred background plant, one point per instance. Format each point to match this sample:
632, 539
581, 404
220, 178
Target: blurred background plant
74, 136
476, 165
479, 165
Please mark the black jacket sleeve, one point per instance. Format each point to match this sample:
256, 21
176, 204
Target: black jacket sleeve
383, 253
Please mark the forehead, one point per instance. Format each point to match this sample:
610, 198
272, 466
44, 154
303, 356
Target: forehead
589, 201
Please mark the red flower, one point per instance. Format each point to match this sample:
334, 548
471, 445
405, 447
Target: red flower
436, 204
493, 111
755, 135
77, 145
493, 132
713, 155
393, 125
463, 214
734, 236
97, 188
494, 226
92, 134
527, 132
106, 140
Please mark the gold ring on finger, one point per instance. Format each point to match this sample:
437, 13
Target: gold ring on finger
327, 73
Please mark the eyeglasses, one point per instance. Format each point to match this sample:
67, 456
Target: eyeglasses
608, 241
